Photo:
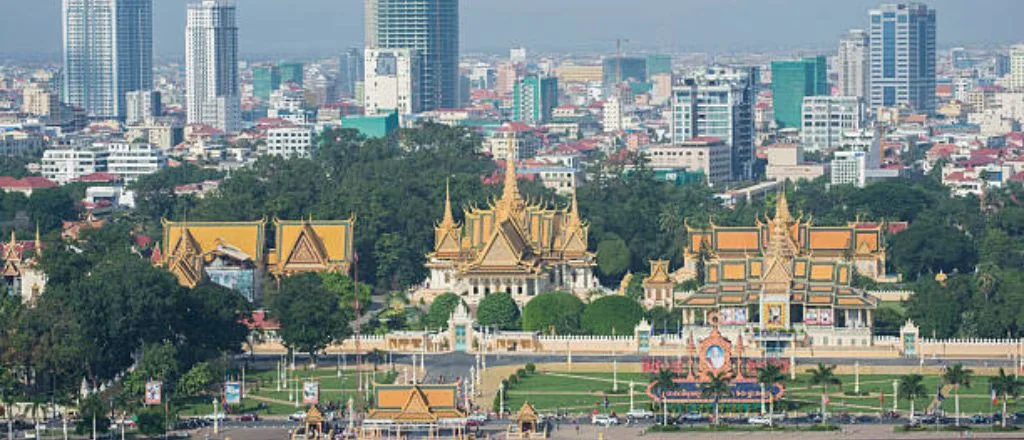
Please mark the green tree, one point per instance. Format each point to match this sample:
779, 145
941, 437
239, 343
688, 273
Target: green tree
311, 315
195, 381
613, 257
557, 311
49, 207
441, 310
929, 247
824, 375
1006, 386
612, 314
151, 422
498, 310
957, 376
911, 388
664, 319
716, 387
769, 375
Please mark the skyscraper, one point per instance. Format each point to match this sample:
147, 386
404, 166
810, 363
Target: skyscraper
718, 103
792, 81
534, 99
431, 27
350, 71
211, 65
1017, 67
392, 82
265, 80
852, 63
108, 52
617, 70
902, 54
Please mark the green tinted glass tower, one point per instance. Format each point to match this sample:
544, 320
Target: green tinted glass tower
291, 72
658, 64
791, 82
535, 96
264, 81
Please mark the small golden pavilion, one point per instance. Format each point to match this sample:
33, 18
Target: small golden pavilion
235, 254
513, 245
21, 275
422, 410
781, 275
528, 424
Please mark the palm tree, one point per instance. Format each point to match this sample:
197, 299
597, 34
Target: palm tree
957, 376
715, 388
769, 375
1005, 386
665, 379
911, 388
824, 375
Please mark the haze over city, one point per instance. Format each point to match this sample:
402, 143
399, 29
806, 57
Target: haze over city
320, 27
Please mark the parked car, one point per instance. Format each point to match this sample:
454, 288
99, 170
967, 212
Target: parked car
693, 417
220, 417
478, 417
637, 413
297, 416
760, 420
604, 420
980, 419
250, 417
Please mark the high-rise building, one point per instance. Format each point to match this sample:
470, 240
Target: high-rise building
108, 52
658, 64
506, 78
612, 115
265, 80
350, 71
211, 65
1017, 67
617, 70
517, 55
827, 118
392, 82
718, 103
431, 27
535, 97
852, 63
142, 105
902, 54
791, 82
291, 72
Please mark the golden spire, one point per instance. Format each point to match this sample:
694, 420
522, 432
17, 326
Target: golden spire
782, 207
449, 219
511, 202
39, 242
14, 240
574, 210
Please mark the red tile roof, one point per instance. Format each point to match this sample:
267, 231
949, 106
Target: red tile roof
99, 177
30, 182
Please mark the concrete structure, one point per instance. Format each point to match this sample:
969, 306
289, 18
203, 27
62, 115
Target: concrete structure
211, 66
108, 52
392, 82
514, 140
131, 161
142, 105
852, 64
1016, 79
616, 70
38, 100
826, 118
579, 73
431, 27
792, 81
718, 103
293, 141
372, 126
162, 133
612, 115
708, 155
265, 80
65, 164
20, 143
534, 97
786, 162
902, 57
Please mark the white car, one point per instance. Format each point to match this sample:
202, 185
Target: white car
220, 417
297, 416
760, 420
477, 417
638, 413
604, 420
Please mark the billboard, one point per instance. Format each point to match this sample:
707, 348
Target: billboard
233, 393
154, 390
310, 392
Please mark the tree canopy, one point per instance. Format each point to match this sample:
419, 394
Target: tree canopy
498, 310
558, 311
612, 315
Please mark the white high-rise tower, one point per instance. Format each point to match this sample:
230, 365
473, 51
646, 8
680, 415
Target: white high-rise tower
852, 63
211, 65
108, 52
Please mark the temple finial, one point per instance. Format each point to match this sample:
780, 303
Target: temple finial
782, 206
39, 242
449, 219
511, 190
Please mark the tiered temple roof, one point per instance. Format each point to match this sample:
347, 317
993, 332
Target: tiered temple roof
416, 404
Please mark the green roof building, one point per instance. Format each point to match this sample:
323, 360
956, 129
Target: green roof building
792, 81
372, 126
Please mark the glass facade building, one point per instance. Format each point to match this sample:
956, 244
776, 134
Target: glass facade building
535, 96
792, 81
902, 57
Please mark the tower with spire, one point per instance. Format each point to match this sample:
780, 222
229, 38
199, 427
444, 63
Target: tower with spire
515, 244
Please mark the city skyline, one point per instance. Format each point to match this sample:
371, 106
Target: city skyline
689, 25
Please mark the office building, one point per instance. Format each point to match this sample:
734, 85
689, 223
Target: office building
108, 52
612, 115
517, 55
350, 71
791, 82
826, 118
392, 82
534, 98
852, 63
707, 155
718, 103
265, 80
902, 54
211, 66
1016, 82
659, 64
290, 141
431, 27
616, 70
130, 161
37, 100
291, 72
142, 105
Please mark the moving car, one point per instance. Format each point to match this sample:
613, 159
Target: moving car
638, 413
297, 416
760, 420
693, 417
250, 417
220, 417
604, 420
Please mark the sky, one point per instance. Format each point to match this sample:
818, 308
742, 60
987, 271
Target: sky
315, 27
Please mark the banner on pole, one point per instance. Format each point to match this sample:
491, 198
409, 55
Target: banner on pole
233, 393
153, 392
311, 392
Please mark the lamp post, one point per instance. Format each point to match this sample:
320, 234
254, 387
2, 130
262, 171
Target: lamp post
215, 417
896, 395
501, 400
856, 377
615, 373
762, 398
630, 396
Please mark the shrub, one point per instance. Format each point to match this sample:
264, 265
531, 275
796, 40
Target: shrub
521, 372
531, 368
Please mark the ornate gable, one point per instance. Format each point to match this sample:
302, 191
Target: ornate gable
11, 269
308, 250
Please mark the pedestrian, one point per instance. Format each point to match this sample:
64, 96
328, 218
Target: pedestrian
577, 429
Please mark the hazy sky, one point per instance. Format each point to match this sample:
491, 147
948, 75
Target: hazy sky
325, 26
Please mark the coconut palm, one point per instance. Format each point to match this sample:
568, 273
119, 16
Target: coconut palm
824, 375
910, 388
769, 375
1006, 386
957, 376
715, 388
665, 378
